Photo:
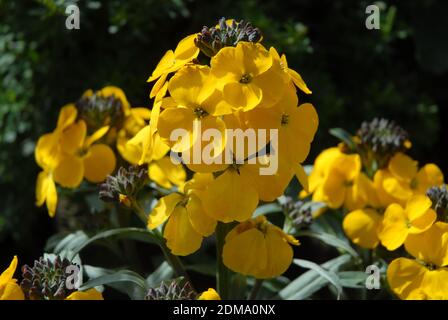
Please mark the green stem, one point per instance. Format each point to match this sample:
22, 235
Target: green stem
173, 260
223, 274
257, 286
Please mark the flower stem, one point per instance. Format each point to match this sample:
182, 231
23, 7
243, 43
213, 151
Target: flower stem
223, 275
173, 260
256, 288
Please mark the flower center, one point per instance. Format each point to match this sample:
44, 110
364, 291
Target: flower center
285, 119
414, 184
200, 113
246, 78
348, 183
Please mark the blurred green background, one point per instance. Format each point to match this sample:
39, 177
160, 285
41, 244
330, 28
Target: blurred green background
399, 72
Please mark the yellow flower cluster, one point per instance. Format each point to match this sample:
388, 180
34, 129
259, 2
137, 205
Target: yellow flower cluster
389, 206
244, 86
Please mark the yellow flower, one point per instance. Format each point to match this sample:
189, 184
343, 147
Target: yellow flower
210, 294
406, 179
133, 123
292, 75
342, 183
259, 249
184, 53
398, 223
247, 76
426, 277
362, 227
194, 102
9, 289
47, 155
296, 125
166, 174
82, 158
187, 223
91, 294
232, 195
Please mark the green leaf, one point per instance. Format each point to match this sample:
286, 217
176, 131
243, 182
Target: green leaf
128, 281
310, 282
327, 274
163, 272
137, 234
352, 279
330, 240
267, 209
344, 136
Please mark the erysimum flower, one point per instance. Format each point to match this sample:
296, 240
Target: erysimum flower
341, 183
187, 223
210, 294
184, 53
258, 248
362, 226
81, 158
9, 289
427, 276
406, 179
296, 125
194, 102
47, 155
247, 76
400, 222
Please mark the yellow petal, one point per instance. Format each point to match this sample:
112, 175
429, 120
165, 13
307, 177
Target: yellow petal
165, 173
428, 176
430, 246
405, 277
210, 294
69, 172
8, 274
181, 238
52, 198
230, 197
246, 253
176, 119
11, 291
396, 188
298, 81
435, 284
97, 135
190, 86
41, 188
67, 116
334, 189
72, 139
91, 294
99, 163
395, 230
403, 167
158, 85
164, 66
362, 227
201, 222
163, 209
186, 49
279, 255
242, 96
